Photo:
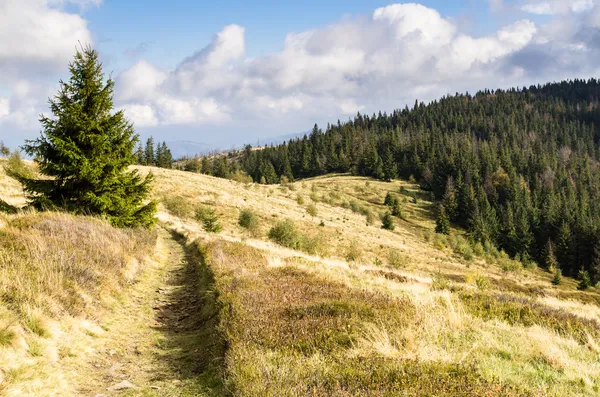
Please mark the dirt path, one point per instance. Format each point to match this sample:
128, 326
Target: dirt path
161, 339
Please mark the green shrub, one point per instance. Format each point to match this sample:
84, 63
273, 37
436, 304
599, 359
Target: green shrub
370, 217
557, 279
241, 177
211, 221
481, 282
312, 210
315, 245
200, 212
388, 222
353, 252
585, 281
284, 233
7, 337
314, 197
478, 249
249, 220
178, 206
300, 199
397, 209
397, 259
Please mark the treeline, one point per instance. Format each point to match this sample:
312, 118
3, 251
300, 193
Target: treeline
159, 156
518, 168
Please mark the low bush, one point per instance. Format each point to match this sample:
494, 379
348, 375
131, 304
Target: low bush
312, 210
397, 259
178, 206
249, 221
284, 233
211, 222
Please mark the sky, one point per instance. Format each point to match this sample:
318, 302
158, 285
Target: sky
213, 75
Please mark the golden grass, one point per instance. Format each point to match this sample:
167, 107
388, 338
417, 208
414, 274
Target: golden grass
369, 313
379, 312
58, 275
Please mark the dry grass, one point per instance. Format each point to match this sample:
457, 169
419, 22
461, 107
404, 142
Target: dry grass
58, 274
361, 311
379, 312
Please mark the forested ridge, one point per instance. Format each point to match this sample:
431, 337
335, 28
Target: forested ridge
518, 167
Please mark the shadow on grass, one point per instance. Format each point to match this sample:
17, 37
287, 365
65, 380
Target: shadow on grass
187, 315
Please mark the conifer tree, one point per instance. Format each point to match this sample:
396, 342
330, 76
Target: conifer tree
550, 256
442, 223
149, 151
167, 156
84, 151
387, 222
390, 169
449, 199
557, 279
139, 155
389, 200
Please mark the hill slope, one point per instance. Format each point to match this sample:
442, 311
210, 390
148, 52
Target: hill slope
309, 297
357, 310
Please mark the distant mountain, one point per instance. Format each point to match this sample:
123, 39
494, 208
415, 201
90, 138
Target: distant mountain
188, 148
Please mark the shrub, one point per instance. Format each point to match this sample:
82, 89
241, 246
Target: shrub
315, 245
585, 281
557, 277
300, 199
442, 222
389, 200
370, 217
314, 196
7, 336
397, 209
312, 210
284, 233
211, 221
200, 212
388, 222
241, 177
353, 252
478, 249
481, 282
178, 206
249, 220
397, 259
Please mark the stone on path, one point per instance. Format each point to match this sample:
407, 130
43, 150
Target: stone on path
122, 386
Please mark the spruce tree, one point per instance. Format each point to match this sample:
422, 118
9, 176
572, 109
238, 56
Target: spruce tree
387, 222
139, 155
84, 151
550, 256
149, 151
167, 156
442, 223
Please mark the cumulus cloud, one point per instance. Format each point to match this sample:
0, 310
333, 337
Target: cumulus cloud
397, 53
37, 40
384, 60
551, 7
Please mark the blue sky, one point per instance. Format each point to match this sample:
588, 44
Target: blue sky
166, 32
227, 73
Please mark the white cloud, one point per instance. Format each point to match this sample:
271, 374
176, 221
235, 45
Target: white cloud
551, 7
384, 60
399, 52
4, 107
37, 40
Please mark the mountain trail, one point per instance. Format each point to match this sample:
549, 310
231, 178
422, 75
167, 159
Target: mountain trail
161, 339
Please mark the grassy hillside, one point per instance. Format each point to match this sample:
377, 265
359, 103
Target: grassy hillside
290, 290
358, 310
59, 274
